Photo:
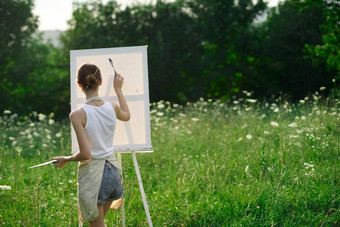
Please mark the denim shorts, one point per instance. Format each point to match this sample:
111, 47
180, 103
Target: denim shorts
111, 187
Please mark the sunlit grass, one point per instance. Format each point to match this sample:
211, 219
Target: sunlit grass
237, 163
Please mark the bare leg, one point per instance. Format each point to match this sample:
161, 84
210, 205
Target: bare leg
99, 222
107, 206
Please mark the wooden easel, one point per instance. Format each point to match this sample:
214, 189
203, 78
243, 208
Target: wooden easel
119, 158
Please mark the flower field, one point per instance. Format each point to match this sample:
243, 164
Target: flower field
237, 163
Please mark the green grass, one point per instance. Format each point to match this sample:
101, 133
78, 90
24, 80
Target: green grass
241, 163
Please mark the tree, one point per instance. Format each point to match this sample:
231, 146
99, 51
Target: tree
221, 26
329, 49
171, 47
16, 27
32, 77
280, 63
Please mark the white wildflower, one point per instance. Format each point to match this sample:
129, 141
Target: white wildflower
160, 113
293, 136
276, 110
266, 132
249, 137
194, 119
239, 139
236, 102
50, 121
308, 165
182, 114
302, 101
5, 187
292, 125
160, 106
309, 169
322, 88
41, 117
252, 100
7, 112
274, 124
58, 135
246, 169
303, 118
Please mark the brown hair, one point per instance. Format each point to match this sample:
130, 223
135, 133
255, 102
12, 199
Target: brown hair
89, 76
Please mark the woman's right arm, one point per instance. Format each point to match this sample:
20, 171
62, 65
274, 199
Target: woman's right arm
77, 118
122, 110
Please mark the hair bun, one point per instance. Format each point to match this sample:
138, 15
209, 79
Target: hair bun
92, 81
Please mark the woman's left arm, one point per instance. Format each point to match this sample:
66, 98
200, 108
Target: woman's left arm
84, 153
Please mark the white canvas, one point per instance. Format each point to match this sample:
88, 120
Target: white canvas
131, 63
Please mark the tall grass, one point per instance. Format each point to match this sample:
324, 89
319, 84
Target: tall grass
238, 163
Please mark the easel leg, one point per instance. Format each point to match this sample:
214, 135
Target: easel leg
119, 157
141, 188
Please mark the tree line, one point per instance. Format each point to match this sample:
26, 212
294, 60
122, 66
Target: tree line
196, 48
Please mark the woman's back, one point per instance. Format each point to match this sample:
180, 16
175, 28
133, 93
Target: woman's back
100, 128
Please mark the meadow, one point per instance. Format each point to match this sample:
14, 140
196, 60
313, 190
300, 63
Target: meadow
236, 163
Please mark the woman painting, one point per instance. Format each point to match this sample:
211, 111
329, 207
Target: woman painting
99, 177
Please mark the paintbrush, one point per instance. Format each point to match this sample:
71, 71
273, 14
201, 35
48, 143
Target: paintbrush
43, 164
111, 62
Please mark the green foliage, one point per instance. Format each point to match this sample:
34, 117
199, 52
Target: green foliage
329, 49
32, 75
196, 48
16, 26
279, 60
220, 24
237, 163
185, 51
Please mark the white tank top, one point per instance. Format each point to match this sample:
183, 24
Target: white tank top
100, 129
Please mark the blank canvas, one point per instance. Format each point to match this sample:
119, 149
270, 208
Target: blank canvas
131, 63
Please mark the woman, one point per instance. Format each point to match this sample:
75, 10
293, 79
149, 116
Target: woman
99, 177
